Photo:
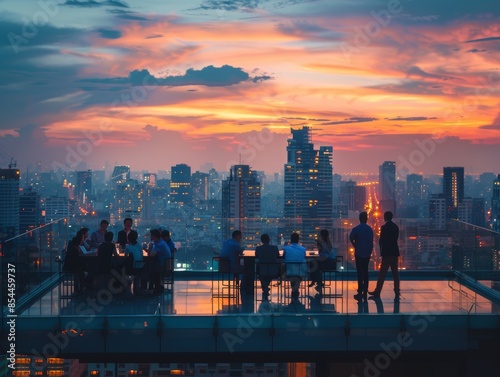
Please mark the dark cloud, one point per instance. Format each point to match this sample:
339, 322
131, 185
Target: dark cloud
417, 71
488, 39
110, 34
410, 119
495, 125
207, 76
153, 36
126, 15
93, 3
475, 50
350, 120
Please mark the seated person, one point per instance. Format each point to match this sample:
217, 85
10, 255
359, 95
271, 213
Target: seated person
295, 261
97, 237
326, 252
267, 258
134, 250
73, 251
124, 233
105, 254
161, 252
232, 249
165, 235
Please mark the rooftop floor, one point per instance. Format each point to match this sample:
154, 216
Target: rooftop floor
194, 297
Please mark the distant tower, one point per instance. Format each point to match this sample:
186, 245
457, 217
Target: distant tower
453, 189
241, 204
199, 186
387, 186
29, 210
180, 184
9, 202
121, 173
437, 212
83, 186
308, 186
414, 189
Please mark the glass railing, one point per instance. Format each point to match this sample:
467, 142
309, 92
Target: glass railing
199, 238
475, 251
462, 247
30, 260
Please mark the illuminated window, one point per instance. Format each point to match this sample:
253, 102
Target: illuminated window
57, 372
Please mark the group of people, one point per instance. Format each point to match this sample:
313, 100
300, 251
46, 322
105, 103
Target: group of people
271, 265
295, 267
101, 242
361, 238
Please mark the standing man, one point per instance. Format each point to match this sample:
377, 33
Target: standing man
361, 238
389, 250
123, 234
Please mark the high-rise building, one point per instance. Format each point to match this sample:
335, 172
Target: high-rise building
453, 189
149, 179
55, 208
83, 186
387, 186
241, 204
308, 186
495, 205
214, 185
128, 200
121, 173
437, 212
199, 186
9, 202
414, 189
29, 210
180, 184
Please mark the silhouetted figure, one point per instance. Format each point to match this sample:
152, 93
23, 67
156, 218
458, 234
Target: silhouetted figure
232, 249
105, 254
268, 266
361, 237
389, 250
123, 234
295, 262
326, 252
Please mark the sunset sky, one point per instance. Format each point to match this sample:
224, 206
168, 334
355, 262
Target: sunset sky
150, 83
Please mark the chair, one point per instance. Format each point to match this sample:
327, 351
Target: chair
329, 275
267, 272
168, 275
221, 273
295, 273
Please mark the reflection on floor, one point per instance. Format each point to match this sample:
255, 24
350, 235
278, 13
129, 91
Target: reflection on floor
195, 298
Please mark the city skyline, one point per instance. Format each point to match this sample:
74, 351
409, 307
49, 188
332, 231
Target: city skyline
90, 83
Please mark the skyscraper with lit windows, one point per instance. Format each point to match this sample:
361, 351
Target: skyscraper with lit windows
453, 190
241, 205
308, 186
387, 186
9, 202
180, 184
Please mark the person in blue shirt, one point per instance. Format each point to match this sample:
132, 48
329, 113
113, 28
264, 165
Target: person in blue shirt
361, 238
232, 249
165, 235
295, 262
161, 252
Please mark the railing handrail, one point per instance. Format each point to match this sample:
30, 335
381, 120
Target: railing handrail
476, 226
34, 229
